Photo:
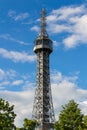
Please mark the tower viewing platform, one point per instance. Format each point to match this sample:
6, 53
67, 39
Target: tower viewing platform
43, 42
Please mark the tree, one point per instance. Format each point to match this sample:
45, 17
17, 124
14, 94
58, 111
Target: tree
70, 117
20, 129
85, 122
57, 126
29, 124
7, 116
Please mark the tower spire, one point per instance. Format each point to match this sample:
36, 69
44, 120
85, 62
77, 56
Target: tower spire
43, 23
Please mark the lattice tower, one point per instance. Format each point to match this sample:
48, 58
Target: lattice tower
43, 110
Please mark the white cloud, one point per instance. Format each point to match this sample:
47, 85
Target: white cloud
71, 41
72, 20
11, 74
2, 74
79, 32
66, 12
52, 18
17, 82
23, 102
16, 16
5, 76
3, 84
55, 43
55, 28
11, 79
35, 28
17, 56
9, 37
69, 20
57, 77
64, 88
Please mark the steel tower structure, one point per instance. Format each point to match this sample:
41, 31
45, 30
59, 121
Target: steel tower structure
43, 110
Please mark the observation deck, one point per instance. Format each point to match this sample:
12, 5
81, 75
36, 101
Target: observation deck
43, 43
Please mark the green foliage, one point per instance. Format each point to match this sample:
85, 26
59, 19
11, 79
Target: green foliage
70, 117
57, 126
20, 129
7, 116
85, 122
29, 124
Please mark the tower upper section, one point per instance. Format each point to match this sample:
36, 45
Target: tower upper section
43, 41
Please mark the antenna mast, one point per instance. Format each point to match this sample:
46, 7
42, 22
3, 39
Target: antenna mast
43, 23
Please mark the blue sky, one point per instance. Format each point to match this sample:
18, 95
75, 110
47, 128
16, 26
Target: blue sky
67, 28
